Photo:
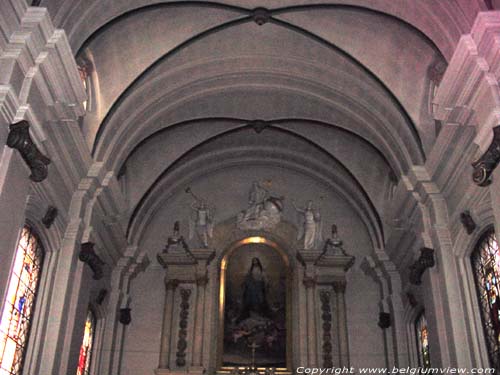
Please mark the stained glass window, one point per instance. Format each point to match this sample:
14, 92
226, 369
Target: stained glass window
486, 265
424, 358
17, 313
85, 358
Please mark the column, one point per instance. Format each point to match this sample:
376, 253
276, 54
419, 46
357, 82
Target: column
312, 333
199, 322
339, 289
166, 332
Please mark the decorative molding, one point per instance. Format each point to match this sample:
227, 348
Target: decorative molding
50, 216
20, 139
183, 323
125, 317
384, 320
484, 166
468, 222
424, 261
261, 16
326, 316
88, 255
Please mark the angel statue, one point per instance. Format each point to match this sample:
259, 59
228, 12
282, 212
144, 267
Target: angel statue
310, 228
201, 220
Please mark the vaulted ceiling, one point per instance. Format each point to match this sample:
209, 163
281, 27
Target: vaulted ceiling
340, 91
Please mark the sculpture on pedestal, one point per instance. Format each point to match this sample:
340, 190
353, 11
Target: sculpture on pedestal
201, 221
263, 212
310, 225
175, 245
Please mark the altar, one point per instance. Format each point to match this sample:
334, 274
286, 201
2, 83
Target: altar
253, 300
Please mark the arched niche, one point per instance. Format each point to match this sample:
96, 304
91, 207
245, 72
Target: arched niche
255, 299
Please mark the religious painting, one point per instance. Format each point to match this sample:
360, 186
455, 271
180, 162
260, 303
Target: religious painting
254, 309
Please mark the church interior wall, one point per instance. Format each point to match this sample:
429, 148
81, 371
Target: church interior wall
380, 139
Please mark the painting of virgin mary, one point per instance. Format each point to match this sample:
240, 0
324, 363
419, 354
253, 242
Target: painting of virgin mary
254, 313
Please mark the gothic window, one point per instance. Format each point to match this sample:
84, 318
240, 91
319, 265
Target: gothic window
19, 304
486, 266
85, 358
422, 332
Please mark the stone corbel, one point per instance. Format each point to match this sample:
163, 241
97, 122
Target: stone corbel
125, 316
468, 222
384, 320
50, 216
20, 139
484, 166
88, 255
424, 261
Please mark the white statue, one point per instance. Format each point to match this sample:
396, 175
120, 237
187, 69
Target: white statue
201, 220
263, 212
310, 228
256, 199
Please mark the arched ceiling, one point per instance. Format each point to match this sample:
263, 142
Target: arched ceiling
223, 167
177, 86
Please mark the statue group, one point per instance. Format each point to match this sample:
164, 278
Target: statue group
263, 211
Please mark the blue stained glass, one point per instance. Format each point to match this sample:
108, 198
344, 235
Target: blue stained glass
486, 265
15, 320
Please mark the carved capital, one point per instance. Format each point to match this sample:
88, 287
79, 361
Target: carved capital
171, 284
339, 286
202, 280
50, 216
88, 255
484, 166
468, 222
424, 261
20, 139
309, 282
384, 320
